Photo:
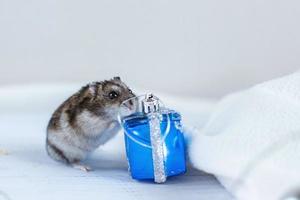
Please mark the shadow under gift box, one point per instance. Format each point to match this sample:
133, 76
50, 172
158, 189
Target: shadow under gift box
138, 145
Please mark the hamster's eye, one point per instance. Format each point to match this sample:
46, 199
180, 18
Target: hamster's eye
113, 95
130, 91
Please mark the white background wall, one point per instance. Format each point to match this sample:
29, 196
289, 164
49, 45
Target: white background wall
203, 48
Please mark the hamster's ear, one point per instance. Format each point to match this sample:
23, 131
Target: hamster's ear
117, 78
93, 89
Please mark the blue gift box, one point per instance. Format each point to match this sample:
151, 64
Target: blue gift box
139, 148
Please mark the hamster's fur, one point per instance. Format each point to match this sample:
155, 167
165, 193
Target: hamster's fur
85, 121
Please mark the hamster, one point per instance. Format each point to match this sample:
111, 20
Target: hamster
85, 121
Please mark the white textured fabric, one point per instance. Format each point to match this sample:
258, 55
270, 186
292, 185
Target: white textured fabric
252, 140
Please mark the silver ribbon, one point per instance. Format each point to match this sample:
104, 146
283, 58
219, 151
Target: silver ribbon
157, 147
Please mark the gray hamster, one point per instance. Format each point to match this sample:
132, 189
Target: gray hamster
85, 121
